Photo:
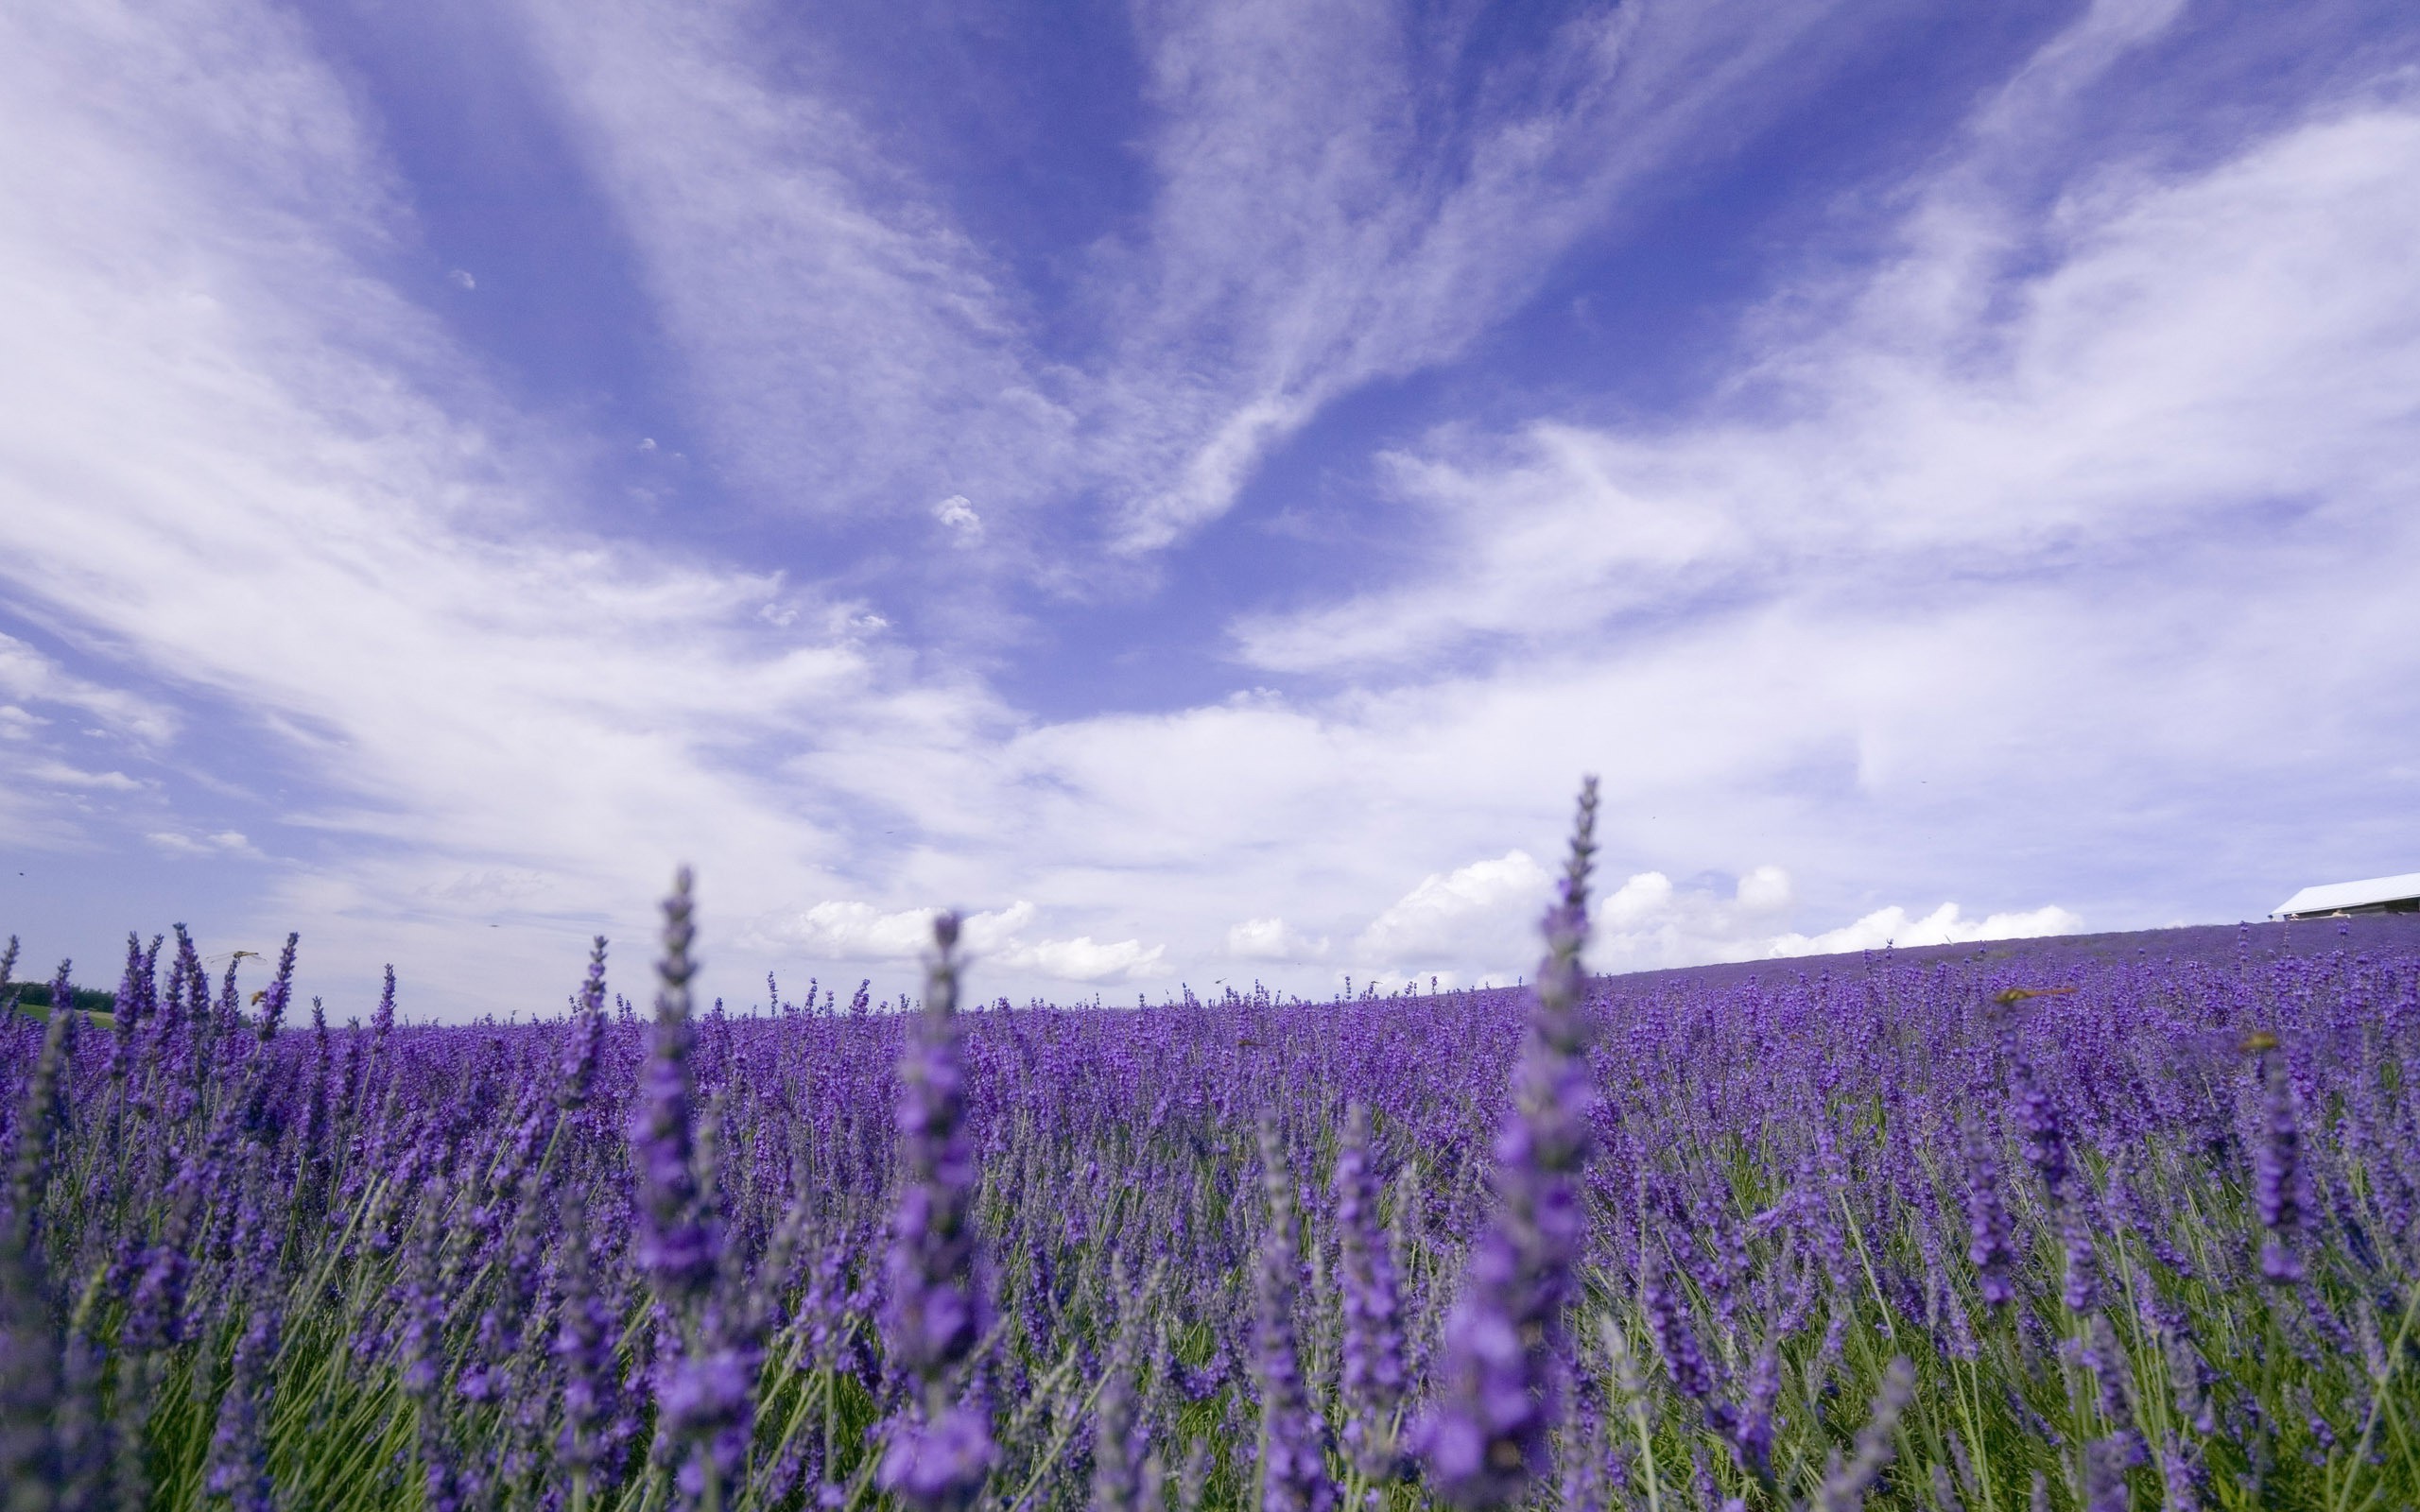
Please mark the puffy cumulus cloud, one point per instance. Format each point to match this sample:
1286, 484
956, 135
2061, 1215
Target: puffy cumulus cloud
842, 930
1272, 939
1764, 891
959, 518
1943, 926
1083, 959
846, 930
1454, 916
1646, 924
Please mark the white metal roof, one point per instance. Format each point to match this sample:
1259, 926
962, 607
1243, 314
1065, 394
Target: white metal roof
2329, 897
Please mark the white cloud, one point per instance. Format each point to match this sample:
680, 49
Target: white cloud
1272, 939
1648, 923
2180, 357
26, 674
231, 456
226, 842
1450, 914
853, 931
1996, 562
1082, 960
1330, 201
59, 774
994, 942
461, 280
959, 517
848, 345
1943, 926
1764, 891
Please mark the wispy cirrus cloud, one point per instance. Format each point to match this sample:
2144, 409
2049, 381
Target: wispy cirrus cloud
849, 350
2200, 353
1357, 193
236, 459
1334, 197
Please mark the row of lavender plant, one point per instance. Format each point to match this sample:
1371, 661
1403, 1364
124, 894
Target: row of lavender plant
1947, 1235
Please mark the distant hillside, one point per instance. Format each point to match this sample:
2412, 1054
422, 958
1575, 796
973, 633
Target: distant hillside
2048, 954
34, 998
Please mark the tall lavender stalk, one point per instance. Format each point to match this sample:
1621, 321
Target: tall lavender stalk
238, 1465
2275, 1191
676, 1246
1293, 1469
584, 1345
1990, 1243
1845, 1485
1485, 1440
939, 1451
705, 1388
29, 1332
1373, 1378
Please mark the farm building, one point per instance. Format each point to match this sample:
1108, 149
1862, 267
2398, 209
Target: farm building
2380, 895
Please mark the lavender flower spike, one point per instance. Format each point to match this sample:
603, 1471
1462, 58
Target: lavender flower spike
238, 1470
1293, 1467
1845, 1485
29, 1338
937, 1459
1992, 1248
676, 1246
1374, 1371
1485, 1440
584, 1344
2274, 1190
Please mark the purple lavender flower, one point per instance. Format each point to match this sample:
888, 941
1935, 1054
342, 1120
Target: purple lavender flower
30, 1384
587, 1032
422, 1341
1990, 1248
84, 1431
676, 1243
1845, 1485
279, 992
1667, 1321
1752, 1439
1372, 1380
238, 1464
2274, 1177
2041, 1133
1293, 1459
1485, 1440
2183, 1475
2105, 1464
1116, 1479
584, 1345
127, 1014
940, 1460
154, 1316
2081, 1291
382, 1019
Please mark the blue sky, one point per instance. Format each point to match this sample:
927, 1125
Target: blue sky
1194, 485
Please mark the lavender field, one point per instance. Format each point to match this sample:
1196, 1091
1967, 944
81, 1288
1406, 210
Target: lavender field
2125, 1223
